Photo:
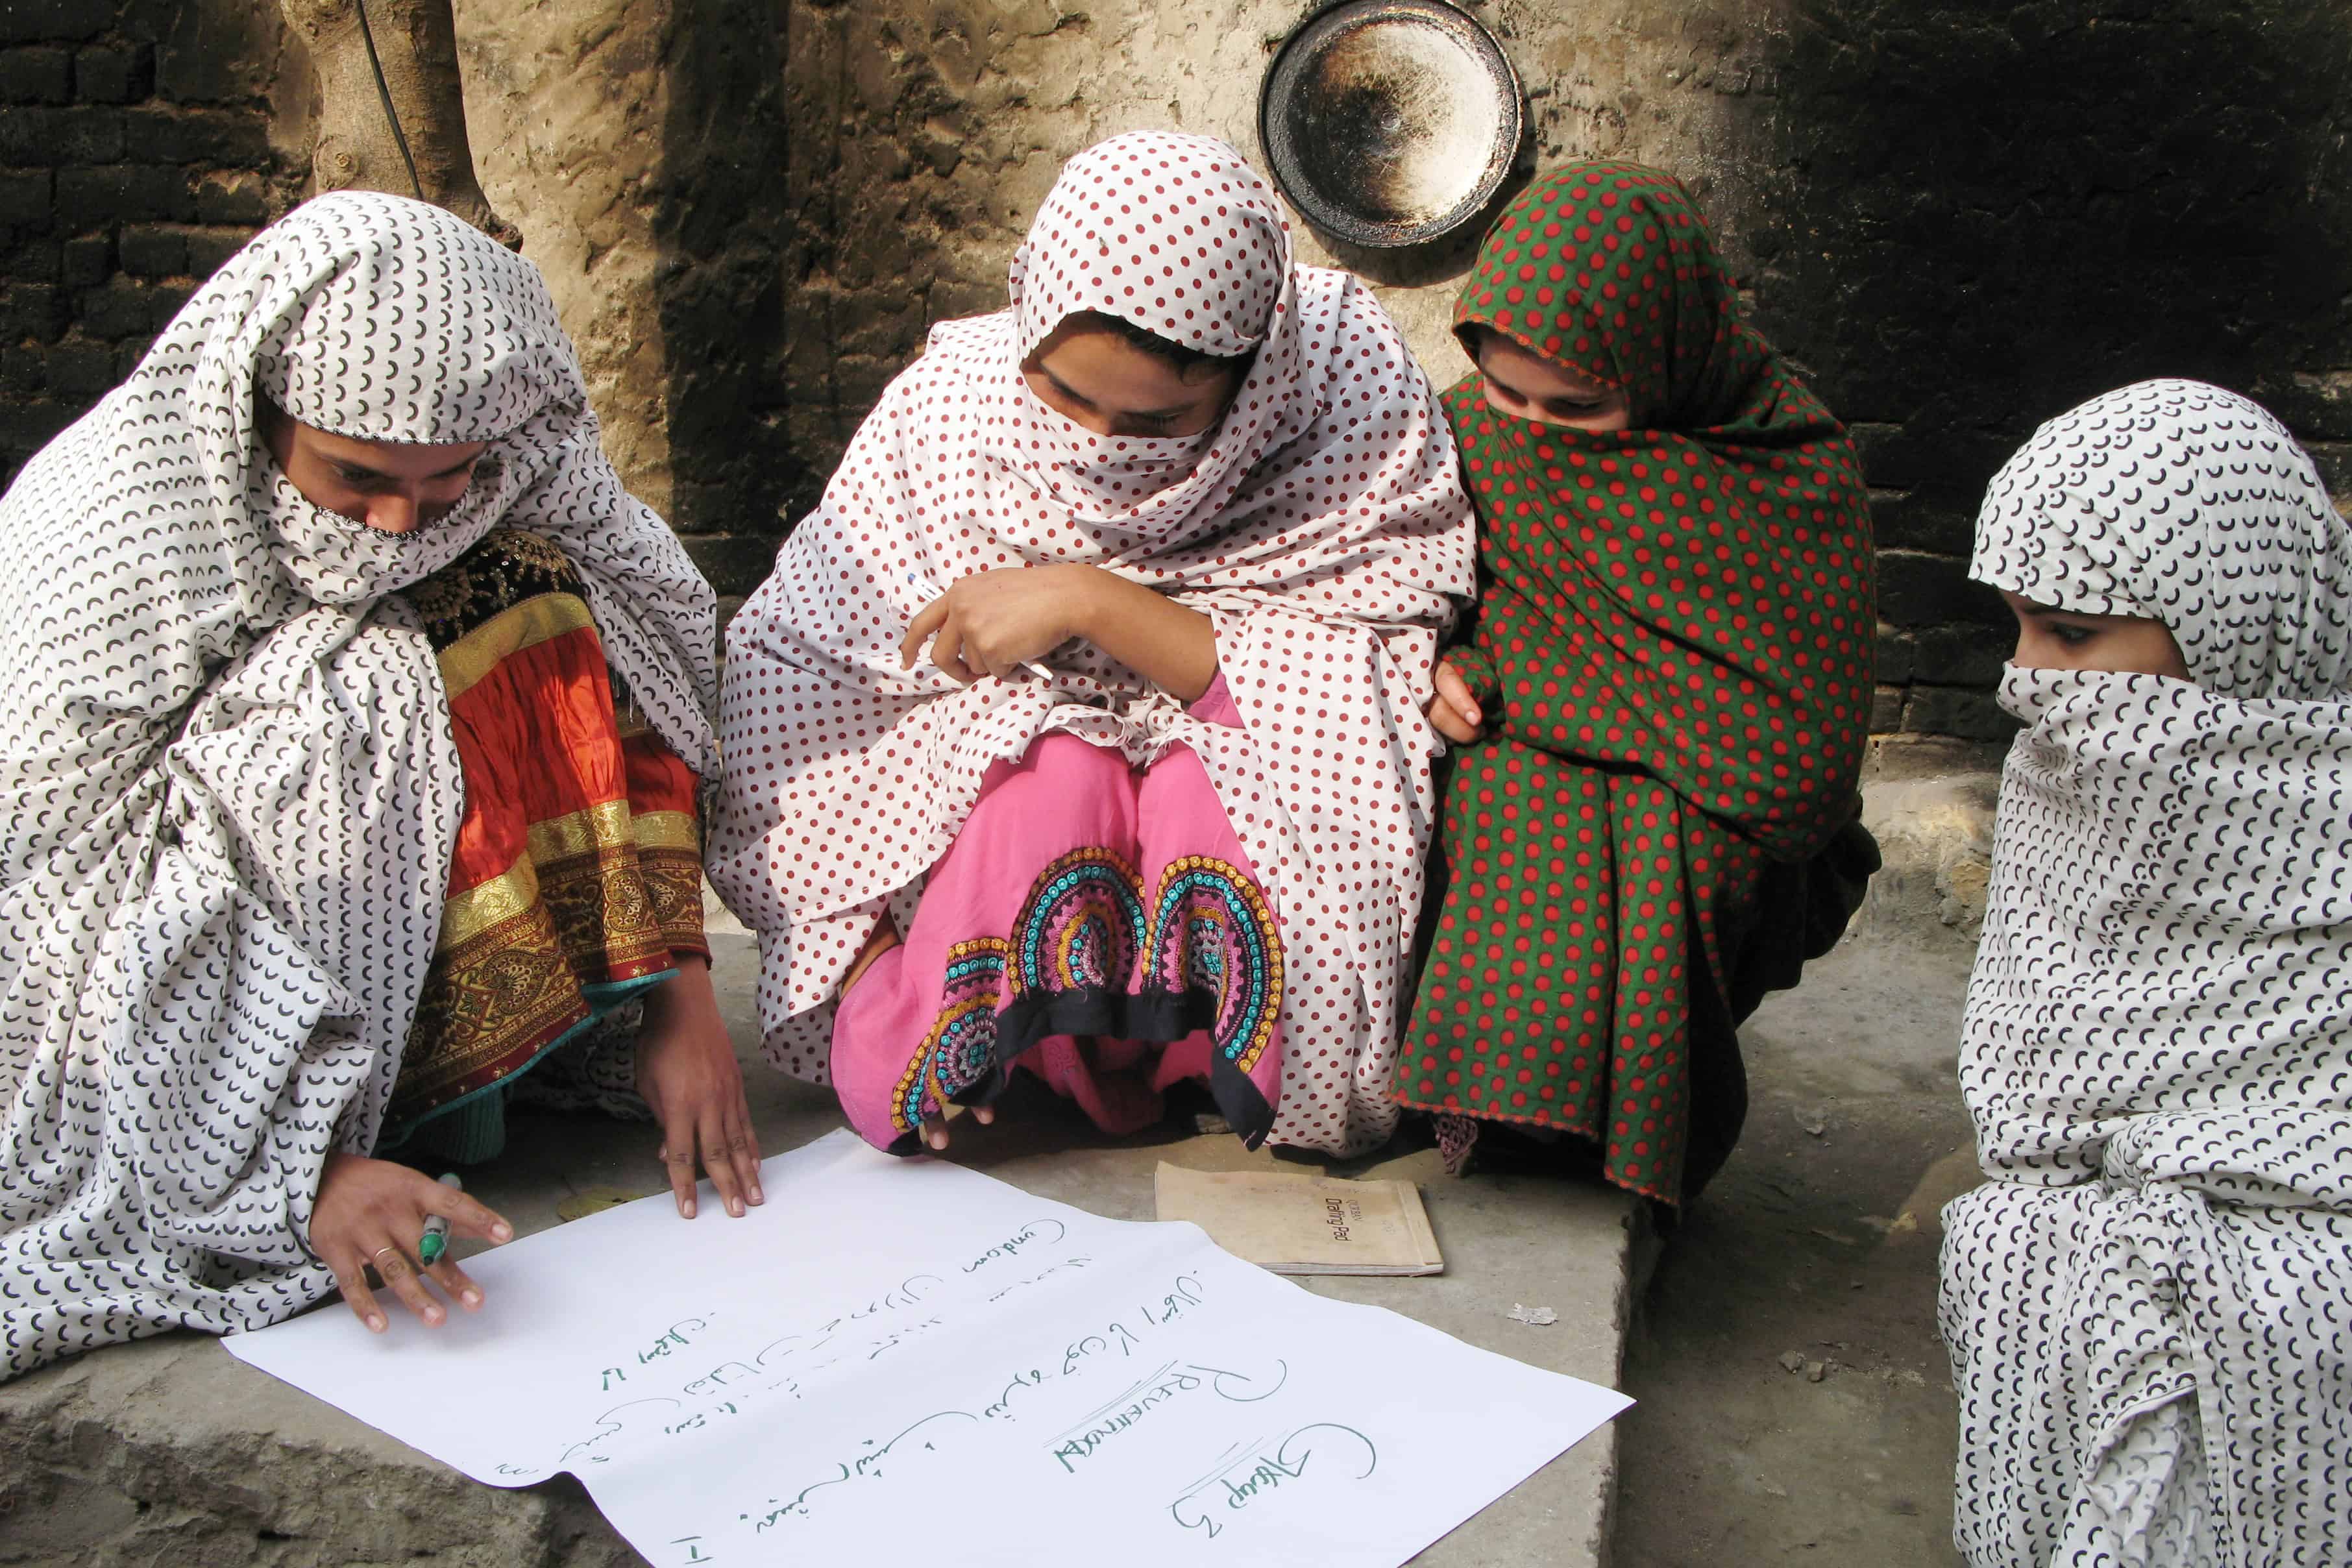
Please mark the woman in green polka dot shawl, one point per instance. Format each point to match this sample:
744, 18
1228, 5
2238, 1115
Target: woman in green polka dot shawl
1651, 819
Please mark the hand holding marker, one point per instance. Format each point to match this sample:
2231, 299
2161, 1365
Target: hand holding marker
436, 1239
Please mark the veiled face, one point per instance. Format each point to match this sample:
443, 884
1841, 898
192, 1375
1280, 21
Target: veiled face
1095, 378
1529, 386
391, 487
2052, 638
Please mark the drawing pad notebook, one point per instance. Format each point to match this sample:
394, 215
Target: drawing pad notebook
1304, 1224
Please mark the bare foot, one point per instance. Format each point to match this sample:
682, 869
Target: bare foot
885, 937
935, 1131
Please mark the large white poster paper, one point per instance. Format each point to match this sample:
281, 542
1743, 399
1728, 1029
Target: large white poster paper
896, 1355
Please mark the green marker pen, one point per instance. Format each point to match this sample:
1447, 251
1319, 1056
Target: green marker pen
436, 1239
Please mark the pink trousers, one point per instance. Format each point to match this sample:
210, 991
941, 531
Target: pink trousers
1095, 923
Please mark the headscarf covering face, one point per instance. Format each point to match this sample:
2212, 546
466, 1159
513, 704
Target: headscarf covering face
1678, 623
1608, 269
1320, 525
224, 753
1206, 266
2169, 922
2156, 1050
2190, 505
377, 325
1720, 543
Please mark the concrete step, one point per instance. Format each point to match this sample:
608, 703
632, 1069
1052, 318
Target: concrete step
170, 1452
1934, 836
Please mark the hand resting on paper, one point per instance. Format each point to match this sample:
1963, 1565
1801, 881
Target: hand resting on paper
370, 1214
687, 1073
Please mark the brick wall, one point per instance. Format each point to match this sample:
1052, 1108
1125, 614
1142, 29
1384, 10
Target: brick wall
136, 157
1966, 218
1960, 218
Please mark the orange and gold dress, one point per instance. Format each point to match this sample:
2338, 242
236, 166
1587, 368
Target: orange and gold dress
577, 877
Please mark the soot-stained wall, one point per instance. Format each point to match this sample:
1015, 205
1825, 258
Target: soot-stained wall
1967, 218
1958, 217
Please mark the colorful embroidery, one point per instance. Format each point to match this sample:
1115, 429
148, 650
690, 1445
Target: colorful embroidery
1082, 928
1212, 933
961, 1045
507, 569
1208, 955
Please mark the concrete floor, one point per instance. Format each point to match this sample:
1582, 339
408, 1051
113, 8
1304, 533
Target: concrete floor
170, 1452
1819, 1238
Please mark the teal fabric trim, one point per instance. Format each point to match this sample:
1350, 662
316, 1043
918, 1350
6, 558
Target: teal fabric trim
472, 1128
610, 994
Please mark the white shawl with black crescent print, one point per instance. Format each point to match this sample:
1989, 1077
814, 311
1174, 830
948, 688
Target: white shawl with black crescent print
228, 789
2149, 1304
1322, 526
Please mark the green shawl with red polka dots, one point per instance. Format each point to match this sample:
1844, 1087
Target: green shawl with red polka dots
1674, 653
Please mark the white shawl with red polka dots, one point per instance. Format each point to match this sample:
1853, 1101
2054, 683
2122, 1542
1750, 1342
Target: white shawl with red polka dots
1321, 526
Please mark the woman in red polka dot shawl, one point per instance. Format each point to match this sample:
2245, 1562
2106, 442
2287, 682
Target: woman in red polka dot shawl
1666, 688
1081, 727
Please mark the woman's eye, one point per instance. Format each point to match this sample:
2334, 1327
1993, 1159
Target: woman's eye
2072, 635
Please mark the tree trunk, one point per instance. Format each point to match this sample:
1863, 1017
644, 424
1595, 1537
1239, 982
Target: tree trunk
360, 139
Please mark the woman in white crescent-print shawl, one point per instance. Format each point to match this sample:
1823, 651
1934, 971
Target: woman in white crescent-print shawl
1321, 527
228, 789
2150, 1303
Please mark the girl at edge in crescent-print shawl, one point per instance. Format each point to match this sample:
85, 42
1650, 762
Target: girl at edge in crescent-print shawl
1320, 525
1676, 633
227, 768
2148, 1303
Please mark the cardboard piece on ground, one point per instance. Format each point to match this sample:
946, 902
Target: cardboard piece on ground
1304, 1224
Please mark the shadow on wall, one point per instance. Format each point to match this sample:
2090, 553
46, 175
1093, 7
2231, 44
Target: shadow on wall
723, 223
1971, 217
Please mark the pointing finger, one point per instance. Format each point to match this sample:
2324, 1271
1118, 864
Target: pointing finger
927, 621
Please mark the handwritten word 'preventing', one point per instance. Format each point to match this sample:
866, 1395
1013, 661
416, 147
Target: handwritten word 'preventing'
1091, 1431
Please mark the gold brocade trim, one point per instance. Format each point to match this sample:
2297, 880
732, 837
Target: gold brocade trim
498, 996
601, 904
674, 879
598, 831
525, 625
501, 988
531, 549
479, 908
667, 830
607, 824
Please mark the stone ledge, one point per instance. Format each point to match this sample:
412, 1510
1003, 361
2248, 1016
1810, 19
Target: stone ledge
1936, 837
